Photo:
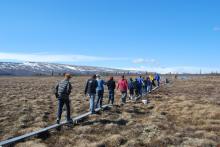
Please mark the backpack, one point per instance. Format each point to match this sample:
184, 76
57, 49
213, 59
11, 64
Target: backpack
131, 85
63, 89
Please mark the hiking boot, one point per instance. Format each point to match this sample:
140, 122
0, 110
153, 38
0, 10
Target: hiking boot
93, 113
70, 121
58, 121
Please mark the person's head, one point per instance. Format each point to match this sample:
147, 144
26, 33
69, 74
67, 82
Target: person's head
111, 78
131, 79
136, 79
67, 76
94, 77
98, 76
123, 77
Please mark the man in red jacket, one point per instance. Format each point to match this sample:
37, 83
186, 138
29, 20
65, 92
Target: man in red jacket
123, 87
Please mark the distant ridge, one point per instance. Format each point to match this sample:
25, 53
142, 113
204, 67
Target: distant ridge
39, 68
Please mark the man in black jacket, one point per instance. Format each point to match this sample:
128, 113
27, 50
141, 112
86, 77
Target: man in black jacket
90, 89
111, 88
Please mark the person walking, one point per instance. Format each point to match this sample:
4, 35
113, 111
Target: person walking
123, 86
148, 84
131, 88
140, 85
90, 89
111, 89
99, 91
157, 78
145, 85
152, 81
136, 89
62, 92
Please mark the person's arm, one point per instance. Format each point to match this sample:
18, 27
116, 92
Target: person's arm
69, 88
56, 90
104, 83
114, 85
118, 85
86, 88
96, 84
107, 83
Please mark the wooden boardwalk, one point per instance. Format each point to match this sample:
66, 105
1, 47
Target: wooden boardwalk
35, 133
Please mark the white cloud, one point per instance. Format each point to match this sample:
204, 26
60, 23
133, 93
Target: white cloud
176, 69
45, 57
217, 28
145, 61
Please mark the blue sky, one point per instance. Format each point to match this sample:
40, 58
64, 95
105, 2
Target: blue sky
159, 35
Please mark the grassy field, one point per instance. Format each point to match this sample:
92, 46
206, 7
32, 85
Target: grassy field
183, 113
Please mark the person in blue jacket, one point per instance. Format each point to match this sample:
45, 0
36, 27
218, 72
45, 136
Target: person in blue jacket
157, 78
100, 91
140, 84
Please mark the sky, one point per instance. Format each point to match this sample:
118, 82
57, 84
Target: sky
150, 35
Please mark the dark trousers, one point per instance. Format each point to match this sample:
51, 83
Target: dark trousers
136, 92
111, 96
100, 94
158, 82
61, 102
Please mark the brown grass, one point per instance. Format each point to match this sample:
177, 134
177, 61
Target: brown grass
184, 113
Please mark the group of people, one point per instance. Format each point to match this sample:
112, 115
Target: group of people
95, 90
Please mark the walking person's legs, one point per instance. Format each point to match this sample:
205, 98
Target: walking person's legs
148, 89
98, 99
92, 103
101, 97
123, 97
112, 97
109, 96
145, 89
67, 103
131, 92
140, 91
60, 107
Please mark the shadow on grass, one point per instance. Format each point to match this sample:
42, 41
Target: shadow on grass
120, 122
137, 111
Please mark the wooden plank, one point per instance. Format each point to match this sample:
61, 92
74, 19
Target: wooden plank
29, 135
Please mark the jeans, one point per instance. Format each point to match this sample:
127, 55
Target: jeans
158, 82
99, 98
123, 97
92, 102
131, 92
145, 89
111, 96
61, 102
148, 88
136, 92
140, 91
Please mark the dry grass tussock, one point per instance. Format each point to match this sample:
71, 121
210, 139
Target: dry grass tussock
184, 113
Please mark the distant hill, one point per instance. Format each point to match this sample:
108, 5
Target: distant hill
38, 68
